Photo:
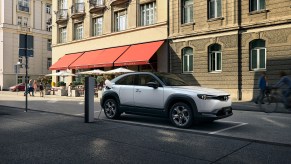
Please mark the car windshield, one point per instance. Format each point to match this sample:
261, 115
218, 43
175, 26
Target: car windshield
171, 79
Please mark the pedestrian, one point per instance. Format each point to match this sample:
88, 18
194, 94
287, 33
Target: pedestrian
286, 92
30, 88
41, 89
70, 89
262, 87
34, 86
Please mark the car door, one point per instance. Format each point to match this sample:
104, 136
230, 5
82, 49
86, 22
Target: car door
125, 92
145, 96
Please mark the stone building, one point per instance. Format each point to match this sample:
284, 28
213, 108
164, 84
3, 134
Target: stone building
105, 34
224, 44
24, 17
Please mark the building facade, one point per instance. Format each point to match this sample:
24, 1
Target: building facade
105, 34
224, 44
20, 18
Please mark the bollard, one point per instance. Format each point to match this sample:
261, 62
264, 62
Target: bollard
89, 99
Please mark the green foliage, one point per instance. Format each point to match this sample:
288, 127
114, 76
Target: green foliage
100, 79
75, 83
61, 83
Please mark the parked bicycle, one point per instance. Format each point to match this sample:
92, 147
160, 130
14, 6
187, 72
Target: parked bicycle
273, 100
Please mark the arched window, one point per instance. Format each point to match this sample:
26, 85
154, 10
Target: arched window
214, 57
257, 54
256, 5
187, 55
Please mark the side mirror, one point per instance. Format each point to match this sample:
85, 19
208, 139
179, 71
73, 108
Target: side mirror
153, 85
108, 84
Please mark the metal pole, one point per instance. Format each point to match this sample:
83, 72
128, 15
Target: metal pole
26, 74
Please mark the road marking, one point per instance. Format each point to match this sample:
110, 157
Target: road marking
215, 132
81, 114
274, 122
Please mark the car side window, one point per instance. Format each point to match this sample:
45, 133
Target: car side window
127, 80
144, 79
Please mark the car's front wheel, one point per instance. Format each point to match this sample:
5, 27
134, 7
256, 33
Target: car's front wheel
181, 115
111, 109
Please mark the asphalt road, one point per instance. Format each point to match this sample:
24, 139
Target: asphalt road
273, 128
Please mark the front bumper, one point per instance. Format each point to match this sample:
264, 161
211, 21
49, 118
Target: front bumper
219, 114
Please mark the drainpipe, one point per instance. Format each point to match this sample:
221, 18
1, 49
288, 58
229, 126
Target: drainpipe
168, 34
239, 49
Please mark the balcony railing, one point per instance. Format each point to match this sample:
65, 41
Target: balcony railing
117, 2
78, 9
62, 15
23, 8
96, 5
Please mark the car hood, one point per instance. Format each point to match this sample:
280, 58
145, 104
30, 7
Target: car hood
202, 90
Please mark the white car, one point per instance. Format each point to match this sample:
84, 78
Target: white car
164, 95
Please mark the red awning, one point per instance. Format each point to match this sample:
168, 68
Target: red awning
98, 58
64, 62
138, 54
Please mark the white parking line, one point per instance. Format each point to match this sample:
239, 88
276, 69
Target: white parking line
274, 122
81, 114
188, 130
215, 132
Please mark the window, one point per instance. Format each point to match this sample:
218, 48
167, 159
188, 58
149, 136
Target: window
49, 62
48, 8
25, 21
187, 57
19, 79
257, 54
187, 11
20, 59
214, 10
48, 27
214, 58
97, 26
144, 79
63, 35
23, 5
19, 20
148, 14
49, 44
127, 80
120, 20
63, 4
79, 6
78, 31
256, 5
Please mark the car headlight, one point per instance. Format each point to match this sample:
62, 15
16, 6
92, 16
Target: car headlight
207, 97
203, 96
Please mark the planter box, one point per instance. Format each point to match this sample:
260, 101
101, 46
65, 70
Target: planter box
62, 92
75, 93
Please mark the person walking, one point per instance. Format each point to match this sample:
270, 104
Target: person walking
262, 87
30, 88
34, 87
285, 80
41, 88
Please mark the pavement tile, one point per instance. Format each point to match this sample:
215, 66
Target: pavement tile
260, 153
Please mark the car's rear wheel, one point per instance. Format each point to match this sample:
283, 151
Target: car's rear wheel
181, 115
111, 109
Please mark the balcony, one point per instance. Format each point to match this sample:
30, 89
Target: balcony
78, 10
96, 5
62, 15
118, 2
23, 8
